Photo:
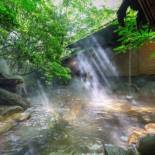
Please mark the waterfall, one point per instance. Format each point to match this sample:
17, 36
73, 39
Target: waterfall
96, 69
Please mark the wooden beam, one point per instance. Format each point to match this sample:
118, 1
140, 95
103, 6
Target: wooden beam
148, 7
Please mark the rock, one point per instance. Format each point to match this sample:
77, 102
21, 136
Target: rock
124, 138
9, 99
9, 82
19, 117
146, 145
7, 122
114, 150
138, 133
150, 128
1, 118
6, 126
148, 89
132, 150
134, 137
9, 110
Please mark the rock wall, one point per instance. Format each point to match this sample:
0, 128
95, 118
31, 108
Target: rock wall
146, 60
142, 61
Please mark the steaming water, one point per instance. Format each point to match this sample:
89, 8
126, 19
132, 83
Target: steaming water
43, 98
95, 69
78, 119
4, 68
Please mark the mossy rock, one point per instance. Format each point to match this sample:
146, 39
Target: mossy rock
11, 99
8, 122
6, 126
9, 110
19, 117
10, 82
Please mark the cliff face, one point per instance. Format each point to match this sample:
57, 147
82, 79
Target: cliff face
146, 60
142, 61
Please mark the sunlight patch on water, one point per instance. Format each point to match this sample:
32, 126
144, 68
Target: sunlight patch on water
95, 68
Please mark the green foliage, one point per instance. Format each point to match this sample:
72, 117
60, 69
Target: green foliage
34, 33
7, 16
84, 18
130, 37
37, 42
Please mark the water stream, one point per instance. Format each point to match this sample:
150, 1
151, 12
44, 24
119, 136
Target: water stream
78, 119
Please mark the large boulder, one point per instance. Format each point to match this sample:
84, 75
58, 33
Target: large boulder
137, 133
8, 98
17, 117
9, 110
6, 126
8, 122
148, 89
146, 145
150, 128
10, 83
